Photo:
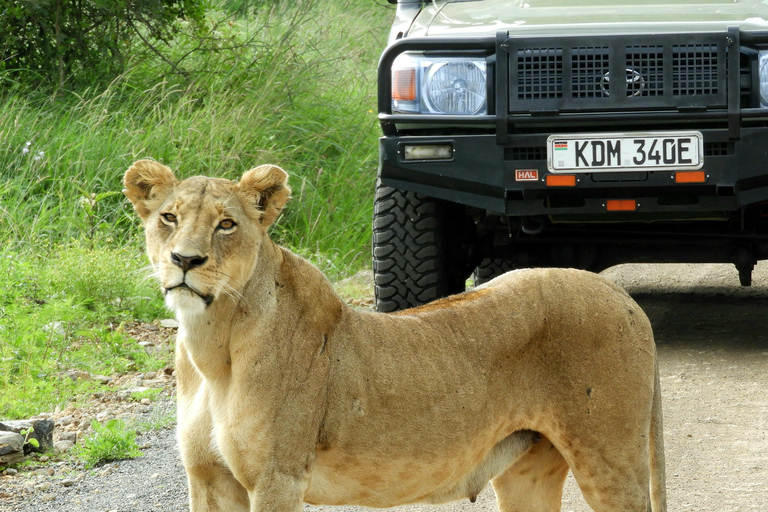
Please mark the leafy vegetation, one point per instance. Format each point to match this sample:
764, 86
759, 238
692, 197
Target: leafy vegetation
111, 441
289, 83
66, 42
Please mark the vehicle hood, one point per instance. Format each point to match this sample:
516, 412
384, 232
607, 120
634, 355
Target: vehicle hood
451, 18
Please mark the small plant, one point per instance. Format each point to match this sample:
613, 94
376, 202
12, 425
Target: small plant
110, 441
26, 432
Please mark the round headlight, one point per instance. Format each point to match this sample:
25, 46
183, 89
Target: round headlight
456, 87
763, 65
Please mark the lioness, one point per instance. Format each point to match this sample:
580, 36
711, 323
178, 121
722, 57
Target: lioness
286, 395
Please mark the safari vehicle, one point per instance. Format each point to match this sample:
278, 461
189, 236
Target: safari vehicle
582, 133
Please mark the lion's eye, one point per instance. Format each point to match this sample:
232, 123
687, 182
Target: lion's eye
169, 218
227, 224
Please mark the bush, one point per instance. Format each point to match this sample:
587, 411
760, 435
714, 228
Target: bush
55, 42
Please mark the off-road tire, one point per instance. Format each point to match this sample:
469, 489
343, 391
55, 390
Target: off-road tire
418, 255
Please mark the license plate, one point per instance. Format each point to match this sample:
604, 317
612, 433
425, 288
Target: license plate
625, 152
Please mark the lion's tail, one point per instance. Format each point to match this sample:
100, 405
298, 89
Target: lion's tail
658, 472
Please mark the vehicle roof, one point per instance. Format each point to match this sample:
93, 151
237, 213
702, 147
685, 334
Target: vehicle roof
455, 18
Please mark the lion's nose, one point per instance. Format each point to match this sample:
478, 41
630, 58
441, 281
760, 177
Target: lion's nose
188, 262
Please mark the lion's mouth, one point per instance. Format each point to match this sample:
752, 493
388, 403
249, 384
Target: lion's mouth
207, 298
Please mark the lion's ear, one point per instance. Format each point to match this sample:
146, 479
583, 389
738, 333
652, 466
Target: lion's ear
147, 184
266, 188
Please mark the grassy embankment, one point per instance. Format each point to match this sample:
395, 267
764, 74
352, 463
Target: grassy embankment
294, 87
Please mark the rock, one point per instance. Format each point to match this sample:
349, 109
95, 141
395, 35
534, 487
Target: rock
62, 446
101, 379
66, 420
169, 322
76, 375
103, 416
11, 448
45, 486
146, 344
124, 393
43, 432
146, 401
49, 497
149, 376
68, 482
11, 472
68, 436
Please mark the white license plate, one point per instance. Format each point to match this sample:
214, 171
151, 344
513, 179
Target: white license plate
625, 152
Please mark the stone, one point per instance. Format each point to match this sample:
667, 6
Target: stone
49, 497
101, 379
11, 448
124, 393
45, 486
68, 482
62, 446
43, 433
66, 420
76, 375
169, 322
11, 472
68, 436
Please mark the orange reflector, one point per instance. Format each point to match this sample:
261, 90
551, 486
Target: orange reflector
621, 205
690, 177
561, 180
404, 84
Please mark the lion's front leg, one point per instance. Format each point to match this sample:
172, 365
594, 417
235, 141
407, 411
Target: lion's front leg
278, 492
212, 486
214, 489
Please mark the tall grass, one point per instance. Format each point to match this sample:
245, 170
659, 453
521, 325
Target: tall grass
295, 88
292, 85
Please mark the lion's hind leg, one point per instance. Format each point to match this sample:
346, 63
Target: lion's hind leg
534, 483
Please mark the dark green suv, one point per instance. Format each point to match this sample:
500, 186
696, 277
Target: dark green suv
555, 133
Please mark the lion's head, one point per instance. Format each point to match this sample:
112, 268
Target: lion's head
204, 234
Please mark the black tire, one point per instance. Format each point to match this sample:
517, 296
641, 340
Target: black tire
417, 253
490, 268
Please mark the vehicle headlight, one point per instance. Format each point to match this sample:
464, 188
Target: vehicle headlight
439, 85
763, 70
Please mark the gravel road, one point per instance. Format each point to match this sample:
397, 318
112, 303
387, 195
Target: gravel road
712, 338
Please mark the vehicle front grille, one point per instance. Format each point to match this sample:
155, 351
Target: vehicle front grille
617, 73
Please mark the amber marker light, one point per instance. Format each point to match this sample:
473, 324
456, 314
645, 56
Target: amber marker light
560, 180
690, 177
404, 84
621, 205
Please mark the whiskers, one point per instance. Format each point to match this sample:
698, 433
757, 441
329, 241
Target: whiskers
151, 271
227, 289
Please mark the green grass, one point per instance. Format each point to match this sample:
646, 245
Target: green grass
111, 441
293, 85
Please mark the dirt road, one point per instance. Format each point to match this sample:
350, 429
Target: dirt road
712, 338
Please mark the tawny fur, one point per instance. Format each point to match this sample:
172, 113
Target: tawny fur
286, 395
